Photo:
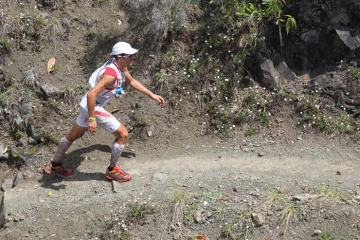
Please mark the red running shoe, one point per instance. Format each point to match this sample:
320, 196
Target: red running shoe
117, 174
58, 168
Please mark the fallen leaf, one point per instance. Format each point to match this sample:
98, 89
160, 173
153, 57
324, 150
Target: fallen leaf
259, 90
51, 65
200, 237
4, 150
356, 199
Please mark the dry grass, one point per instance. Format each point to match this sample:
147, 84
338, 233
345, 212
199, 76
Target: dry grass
158, 17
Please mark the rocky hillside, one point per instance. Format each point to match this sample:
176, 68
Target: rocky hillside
234, 76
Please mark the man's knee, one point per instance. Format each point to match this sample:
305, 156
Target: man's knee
121, 134
75, 133
71, 137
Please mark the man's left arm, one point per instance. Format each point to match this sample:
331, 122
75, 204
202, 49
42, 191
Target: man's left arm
132, 82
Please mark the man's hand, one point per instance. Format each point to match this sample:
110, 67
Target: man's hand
159, 99
92, 126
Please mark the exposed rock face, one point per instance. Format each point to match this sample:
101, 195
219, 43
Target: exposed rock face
320, 52
327, 32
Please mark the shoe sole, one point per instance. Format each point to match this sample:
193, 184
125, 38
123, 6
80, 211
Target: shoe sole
120, 181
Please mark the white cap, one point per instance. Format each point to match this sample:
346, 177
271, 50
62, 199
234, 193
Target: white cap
123, 48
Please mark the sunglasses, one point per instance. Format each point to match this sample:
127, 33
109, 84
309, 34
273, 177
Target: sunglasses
128, 56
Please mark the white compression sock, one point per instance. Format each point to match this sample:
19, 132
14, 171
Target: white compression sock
116, 150
63, 147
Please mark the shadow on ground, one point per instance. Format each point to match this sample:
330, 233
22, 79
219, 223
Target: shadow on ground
73, 161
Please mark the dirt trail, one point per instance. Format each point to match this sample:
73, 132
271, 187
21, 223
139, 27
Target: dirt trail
75, 208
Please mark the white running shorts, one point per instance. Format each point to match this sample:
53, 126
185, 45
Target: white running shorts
104, 119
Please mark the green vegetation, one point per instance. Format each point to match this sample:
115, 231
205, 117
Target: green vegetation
5, 43
5, 98
214, 196
330, 192
326, 235
169, 56
138, 210
18, 134
161, 79
355, 72
227, 230
250, 132
193, 65
275, 197
49, 137
140, 122
31, 151
42, 21
290, 213
110, 236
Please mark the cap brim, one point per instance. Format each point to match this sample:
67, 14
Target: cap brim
132, 51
